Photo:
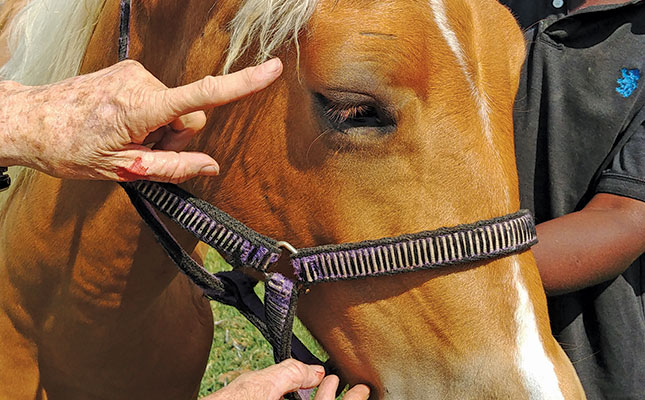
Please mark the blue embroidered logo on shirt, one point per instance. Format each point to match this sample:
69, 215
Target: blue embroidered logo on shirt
629, 82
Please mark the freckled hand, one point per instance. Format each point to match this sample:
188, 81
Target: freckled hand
174, 117
99, 125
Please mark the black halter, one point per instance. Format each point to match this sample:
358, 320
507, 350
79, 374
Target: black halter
243, 247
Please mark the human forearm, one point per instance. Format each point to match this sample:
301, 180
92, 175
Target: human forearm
11, 106
590, 246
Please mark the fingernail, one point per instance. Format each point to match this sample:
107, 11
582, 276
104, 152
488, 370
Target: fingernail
272, 66
209, 170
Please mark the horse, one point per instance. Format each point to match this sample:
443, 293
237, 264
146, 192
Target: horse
391, 117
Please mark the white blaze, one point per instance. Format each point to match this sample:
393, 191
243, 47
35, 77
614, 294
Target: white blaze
536, 369
483, 108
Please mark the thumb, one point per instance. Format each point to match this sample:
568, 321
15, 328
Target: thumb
215, 91
165, 166
292, 375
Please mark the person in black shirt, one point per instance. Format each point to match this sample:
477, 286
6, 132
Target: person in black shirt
580, 147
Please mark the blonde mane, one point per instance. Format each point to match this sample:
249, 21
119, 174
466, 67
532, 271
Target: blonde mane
269, 23
48, 38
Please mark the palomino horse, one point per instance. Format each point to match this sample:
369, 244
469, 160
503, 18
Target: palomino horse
391, 117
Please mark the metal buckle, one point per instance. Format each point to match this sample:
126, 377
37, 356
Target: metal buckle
287, 246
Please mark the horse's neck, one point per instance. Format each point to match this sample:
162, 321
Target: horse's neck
83, 239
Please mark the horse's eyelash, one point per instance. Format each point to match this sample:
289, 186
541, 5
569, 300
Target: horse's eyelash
339, 113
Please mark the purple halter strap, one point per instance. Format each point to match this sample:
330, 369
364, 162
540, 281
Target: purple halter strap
243, 247
426, 250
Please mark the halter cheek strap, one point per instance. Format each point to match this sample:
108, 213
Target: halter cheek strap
274, 318
241, 246
124, 30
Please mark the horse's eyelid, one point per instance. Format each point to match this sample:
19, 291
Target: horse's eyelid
338, 104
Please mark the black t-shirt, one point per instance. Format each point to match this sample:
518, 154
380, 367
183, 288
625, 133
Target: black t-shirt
580, 130
625, 176
528, 12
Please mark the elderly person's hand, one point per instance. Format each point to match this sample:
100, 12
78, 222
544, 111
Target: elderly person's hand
274, 382
97, 126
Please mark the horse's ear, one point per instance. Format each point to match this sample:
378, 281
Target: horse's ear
504, 37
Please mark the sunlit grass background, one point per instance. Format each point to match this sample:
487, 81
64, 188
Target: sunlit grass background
237, 346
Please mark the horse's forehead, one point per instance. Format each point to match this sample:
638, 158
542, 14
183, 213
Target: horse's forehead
392, 40
391, 18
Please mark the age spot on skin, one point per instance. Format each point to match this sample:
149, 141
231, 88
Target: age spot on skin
134, 172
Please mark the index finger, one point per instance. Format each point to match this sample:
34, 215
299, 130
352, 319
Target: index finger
213, 91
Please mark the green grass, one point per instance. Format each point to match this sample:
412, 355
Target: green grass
237, 346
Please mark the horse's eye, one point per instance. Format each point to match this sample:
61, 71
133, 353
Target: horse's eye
346, 114
356, 115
